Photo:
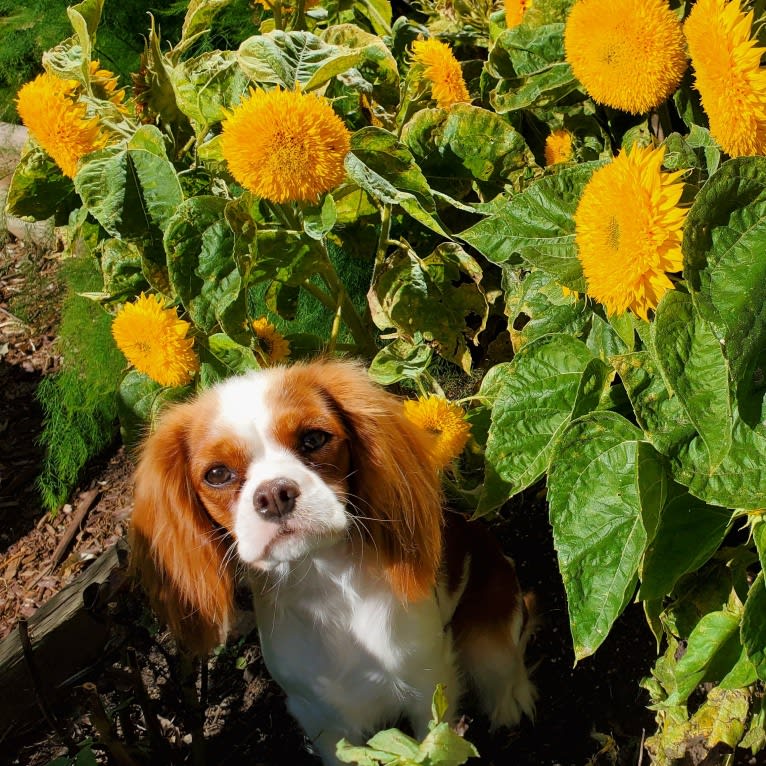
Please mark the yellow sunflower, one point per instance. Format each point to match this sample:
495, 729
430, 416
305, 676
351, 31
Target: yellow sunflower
273, 346
442, 70
104, 85
445, 420
728, 74
285, 146
628, 54
558, 147
48, 107
154, 341
514, 12
628, 229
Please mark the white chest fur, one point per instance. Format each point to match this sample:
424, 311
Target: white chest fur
349, 654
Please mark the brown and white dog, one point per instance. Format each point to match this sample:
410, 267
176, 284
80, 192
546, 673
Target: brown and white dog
311, 481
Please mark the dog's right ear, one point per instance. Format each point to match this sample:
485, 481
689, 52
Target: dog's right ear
177, 551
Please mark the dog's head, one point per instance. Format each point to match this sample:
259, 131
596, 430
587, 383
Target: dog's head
266, 469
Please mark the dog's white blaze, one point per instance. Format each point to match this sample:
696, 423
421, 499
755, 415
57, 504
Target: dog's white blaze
318, 517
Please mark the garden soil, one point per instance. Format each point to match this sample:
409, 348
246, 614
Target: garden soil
592, 712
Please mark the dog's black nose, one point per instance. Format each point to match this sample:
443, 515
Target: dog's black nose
275, 498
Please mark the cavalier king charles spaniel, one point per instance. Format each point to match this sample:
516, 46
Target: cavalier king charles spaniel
310, 480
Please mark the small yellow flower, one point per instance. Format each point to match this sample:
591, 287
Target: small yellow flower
558, 147
273, 346
445, 420
285, 146
104, 85
628, 230
628, 54
48, 107
442, 70
728, 74
154, 341
514, 12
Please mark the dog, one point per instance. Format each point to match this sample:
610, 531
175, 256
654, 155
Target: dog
367, 594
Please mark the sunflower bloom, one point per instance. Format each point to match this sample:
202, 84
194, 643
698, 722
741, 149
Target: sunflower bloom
628, 230
445, 420
514, 12
728, 75
285, 146
273, 346
48, 107
104, 85
628, 54
442, 70
558, 147
154, 341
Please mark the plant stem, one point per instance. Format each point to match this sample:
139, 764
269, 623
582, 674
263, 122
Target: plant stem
299, 20
276, 9
383, 241
338, 301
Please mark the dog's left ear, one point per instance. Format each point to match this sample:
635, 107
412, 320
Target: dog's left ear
395, 483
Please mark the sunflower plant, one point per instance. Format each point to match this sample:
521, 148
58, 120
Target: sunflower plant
561, 204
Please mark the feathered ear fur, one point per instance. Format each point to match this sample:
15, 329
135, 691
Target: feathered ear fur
395, 485
176, 549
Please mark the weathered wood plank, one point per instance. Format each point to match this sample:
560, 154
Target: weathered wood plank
68, 635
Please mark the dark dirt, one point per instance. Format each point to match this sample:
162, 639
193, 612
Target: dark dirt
592, 713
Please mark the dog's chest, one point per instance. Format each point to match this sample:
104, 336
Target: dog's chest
338, 635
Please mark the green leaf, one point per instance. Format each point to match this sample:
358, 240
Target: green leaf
688, 534
38, 188
529, 61
538, 225
695, 369
129, 188
318, 220
202, 260
363, 756
660, 415
292, 59
232, 356
139, 403
395, 742
741, 675
378, 12
433, 296
759, 535
206, 85
535, 302
400, 360
605, 489
445, 747
387, 171
376, 65
535, 401
525, 50
754, 626
724, 234
121, 266
714, 643
199, 17
465, 142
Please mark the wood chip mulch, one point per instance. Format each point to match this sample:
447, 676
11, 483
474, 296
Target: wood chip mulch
29, 535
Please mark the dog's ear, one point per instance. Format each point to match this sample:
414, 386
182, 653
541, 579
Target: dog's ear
395, 485
177, 551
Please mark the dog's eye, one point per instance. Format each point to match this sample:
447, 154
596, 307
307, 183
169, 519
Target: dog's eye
219, 475
313, 440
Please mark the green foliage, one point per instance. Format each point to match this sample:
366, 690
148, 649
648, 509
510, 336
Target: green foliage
451, 243
442, 746
79, 401
28, 29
